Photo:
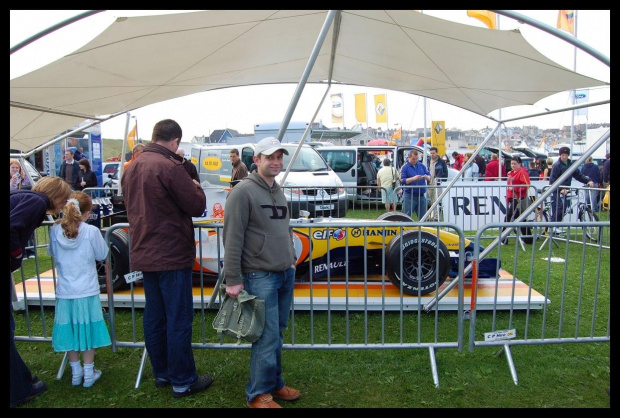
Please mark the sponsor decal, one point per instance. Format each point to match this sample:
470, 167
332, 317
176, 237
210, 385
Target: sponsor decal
338, 234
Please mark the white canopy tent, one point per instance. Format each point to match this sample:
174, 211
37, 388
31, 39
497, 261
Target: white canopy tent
139, 61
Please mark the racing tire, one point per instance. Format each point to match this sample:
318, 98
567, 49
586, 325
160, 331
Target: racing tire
119, 261
433, 266
395, 216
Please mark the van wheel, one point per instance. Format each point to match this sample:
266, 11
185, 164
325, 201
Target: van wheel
119, 261
432, 263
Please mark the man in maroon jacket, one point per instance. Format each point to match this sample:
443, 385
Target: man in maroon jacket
161, 200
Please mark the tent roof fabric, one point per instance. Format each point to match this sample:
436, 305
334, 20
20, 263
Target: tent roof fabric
139, 61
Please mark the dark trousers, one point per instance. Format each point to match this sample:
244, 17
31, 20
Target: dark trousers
20, 377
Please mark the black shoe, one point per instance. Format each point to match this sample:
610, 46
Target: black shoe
37, 389
202, 383
161, 383
35, 379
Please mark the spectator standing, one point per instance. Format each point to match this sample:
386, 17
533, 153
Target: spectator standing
533, 172
517, 191
70, 170
606, 175
87, 177
547, 171
240, 170
439, 172
558, 197
415, 175
78, 319
458, 160
136, 151
493, 168
189, 167
161, 211
17, 177
260, 257
386, 179
471, 173
28, 209
78, 154
19, 180
591, 170
482, 165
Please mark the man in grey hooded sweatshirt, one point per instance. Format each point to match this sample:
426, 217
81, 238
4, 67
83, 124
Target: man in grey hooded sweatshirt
260, 257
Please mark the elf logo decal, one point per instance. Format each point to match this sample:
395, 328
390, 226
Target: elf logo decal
338, 234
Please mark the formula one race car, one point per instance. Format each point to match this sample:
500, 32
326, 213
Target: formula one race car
411, 256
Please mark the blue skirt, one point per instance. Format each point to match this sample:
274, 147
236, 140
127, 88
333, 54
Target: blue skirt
79, 325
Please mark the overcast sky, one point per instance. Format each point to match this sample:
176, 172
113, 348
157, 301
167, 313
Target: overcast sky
242, 107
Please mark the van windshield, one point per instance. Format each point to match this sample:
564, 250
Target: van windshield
308, 159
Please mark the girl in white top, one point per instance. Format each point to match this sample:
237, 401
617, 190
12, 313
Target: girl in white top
78, 321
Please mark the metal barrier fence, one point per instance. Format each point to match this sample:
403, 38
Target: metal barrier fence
574, 279
361, 308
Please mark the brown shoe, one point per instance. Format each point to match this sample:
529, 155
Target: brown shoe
263, 401
287, 394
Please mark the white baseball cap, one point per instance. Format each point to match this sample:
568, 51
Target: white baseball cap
268, 146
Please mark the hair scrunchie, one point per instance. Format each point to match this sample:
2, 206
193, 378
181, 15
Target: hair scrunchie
75, 203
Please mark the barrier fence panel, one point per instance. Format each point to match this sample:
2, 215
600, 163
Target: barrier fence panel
573, 275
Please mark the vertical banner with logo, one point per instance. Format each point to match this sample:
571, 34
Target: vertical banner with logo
566, 21
485, 16
438, 136
360, 107
381, 108
337, 108
581, 96
132, 138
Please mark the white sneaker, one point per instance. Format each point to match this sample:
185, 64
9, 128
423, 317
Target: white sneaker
76, 380
88, 382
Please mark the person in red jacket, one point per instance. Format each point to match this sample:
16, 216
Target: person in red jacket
458, 160
516, 193
491, 173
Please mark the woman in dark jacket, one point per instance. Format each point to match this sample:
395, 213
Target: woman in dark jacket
28, 209
87, 177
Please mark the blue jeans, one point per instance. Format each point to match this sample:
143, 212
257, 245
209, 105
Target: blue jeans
558, 206
276, 289
414, 204
168, 316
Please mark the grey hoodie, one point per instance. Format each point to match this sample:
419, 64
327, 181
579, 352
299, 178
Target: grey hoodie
257, 235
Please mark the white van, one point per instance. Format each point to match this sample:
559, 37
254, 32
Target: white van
310, 184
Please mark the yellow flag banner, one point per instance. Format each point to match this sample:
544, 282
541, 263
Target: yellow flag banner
566, 21
486, 17
381, 108
132, 140
438, 136
337, 108
360, 107
398, 134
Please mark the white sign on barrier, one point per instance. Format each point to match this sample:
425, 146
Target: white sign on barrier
507, 334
